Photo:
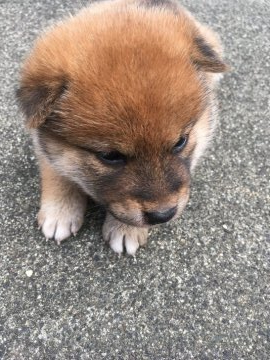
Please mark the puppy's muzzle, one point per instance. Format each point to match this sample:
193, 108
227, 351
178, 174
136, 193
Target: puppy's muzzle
158, 217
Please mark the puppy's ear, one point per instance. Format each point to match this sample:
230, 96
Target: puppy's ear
38, 96
206, 58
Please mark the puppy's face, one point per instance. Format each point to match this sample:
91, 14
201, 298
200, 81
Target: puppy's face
130, 147
127, 126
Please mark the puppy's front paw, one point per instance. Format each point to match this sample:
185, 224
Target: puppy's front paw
59, 221
120, 235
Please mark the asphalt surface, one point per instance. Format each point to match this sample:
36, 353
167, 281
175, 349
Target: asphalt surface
200, 289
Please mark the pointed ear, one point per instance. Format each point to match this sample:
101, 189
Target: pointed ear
206, 58
37, 97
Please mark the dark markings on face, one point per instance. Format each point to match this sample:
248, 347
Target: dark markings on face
168, 180
141, 180
111, 184
144, 194
173, 180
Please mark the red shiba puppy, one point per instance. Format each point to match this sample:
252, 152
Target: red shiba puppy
120, 103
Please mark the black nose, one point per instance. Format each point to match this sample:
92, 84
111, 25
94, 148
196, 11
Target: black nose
158, 217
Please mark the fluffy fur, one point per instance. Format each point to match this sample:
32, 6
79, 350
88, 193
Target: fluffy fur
107, 95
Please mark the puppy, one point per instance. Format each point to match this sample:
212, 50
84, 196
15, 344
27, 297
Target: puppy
120, 103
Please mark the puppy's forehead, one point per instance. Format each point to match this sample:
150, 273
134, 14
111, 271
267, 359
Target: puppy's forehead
138, 107
133, 87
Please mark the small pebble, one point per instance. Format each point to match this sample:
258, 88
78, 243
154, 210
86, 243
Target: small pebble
29, 273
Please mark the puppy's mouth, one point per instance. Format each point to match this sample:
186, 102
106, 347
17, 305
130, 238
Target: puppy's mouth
151, 218
148, 220
137, 221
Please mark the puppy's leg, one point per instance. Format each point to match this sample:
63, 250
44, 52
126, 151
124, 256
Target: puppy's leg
62, 205
119, 235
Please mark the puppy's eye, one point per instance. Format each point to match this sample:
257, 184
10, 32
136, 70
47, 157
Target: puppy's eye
181, 143
112, 158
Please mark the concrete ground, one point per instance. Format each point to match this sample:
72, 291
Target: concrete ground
200, 289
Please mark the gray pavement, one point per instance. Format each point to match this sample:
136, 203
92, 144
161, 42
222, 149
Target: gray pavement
200, 289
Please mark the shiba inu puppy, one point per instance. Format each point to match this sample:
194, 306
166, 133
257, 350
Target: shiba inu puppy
120, 103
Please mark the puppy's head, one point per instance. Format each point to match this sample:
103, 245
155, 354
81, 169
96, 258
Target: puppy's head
122, 107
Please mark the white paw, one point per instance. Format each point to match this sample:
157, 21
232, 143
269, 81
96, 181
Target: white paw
59, 221
120, 235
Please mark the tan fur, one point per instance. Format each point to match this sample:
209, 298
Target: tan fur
130, 76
